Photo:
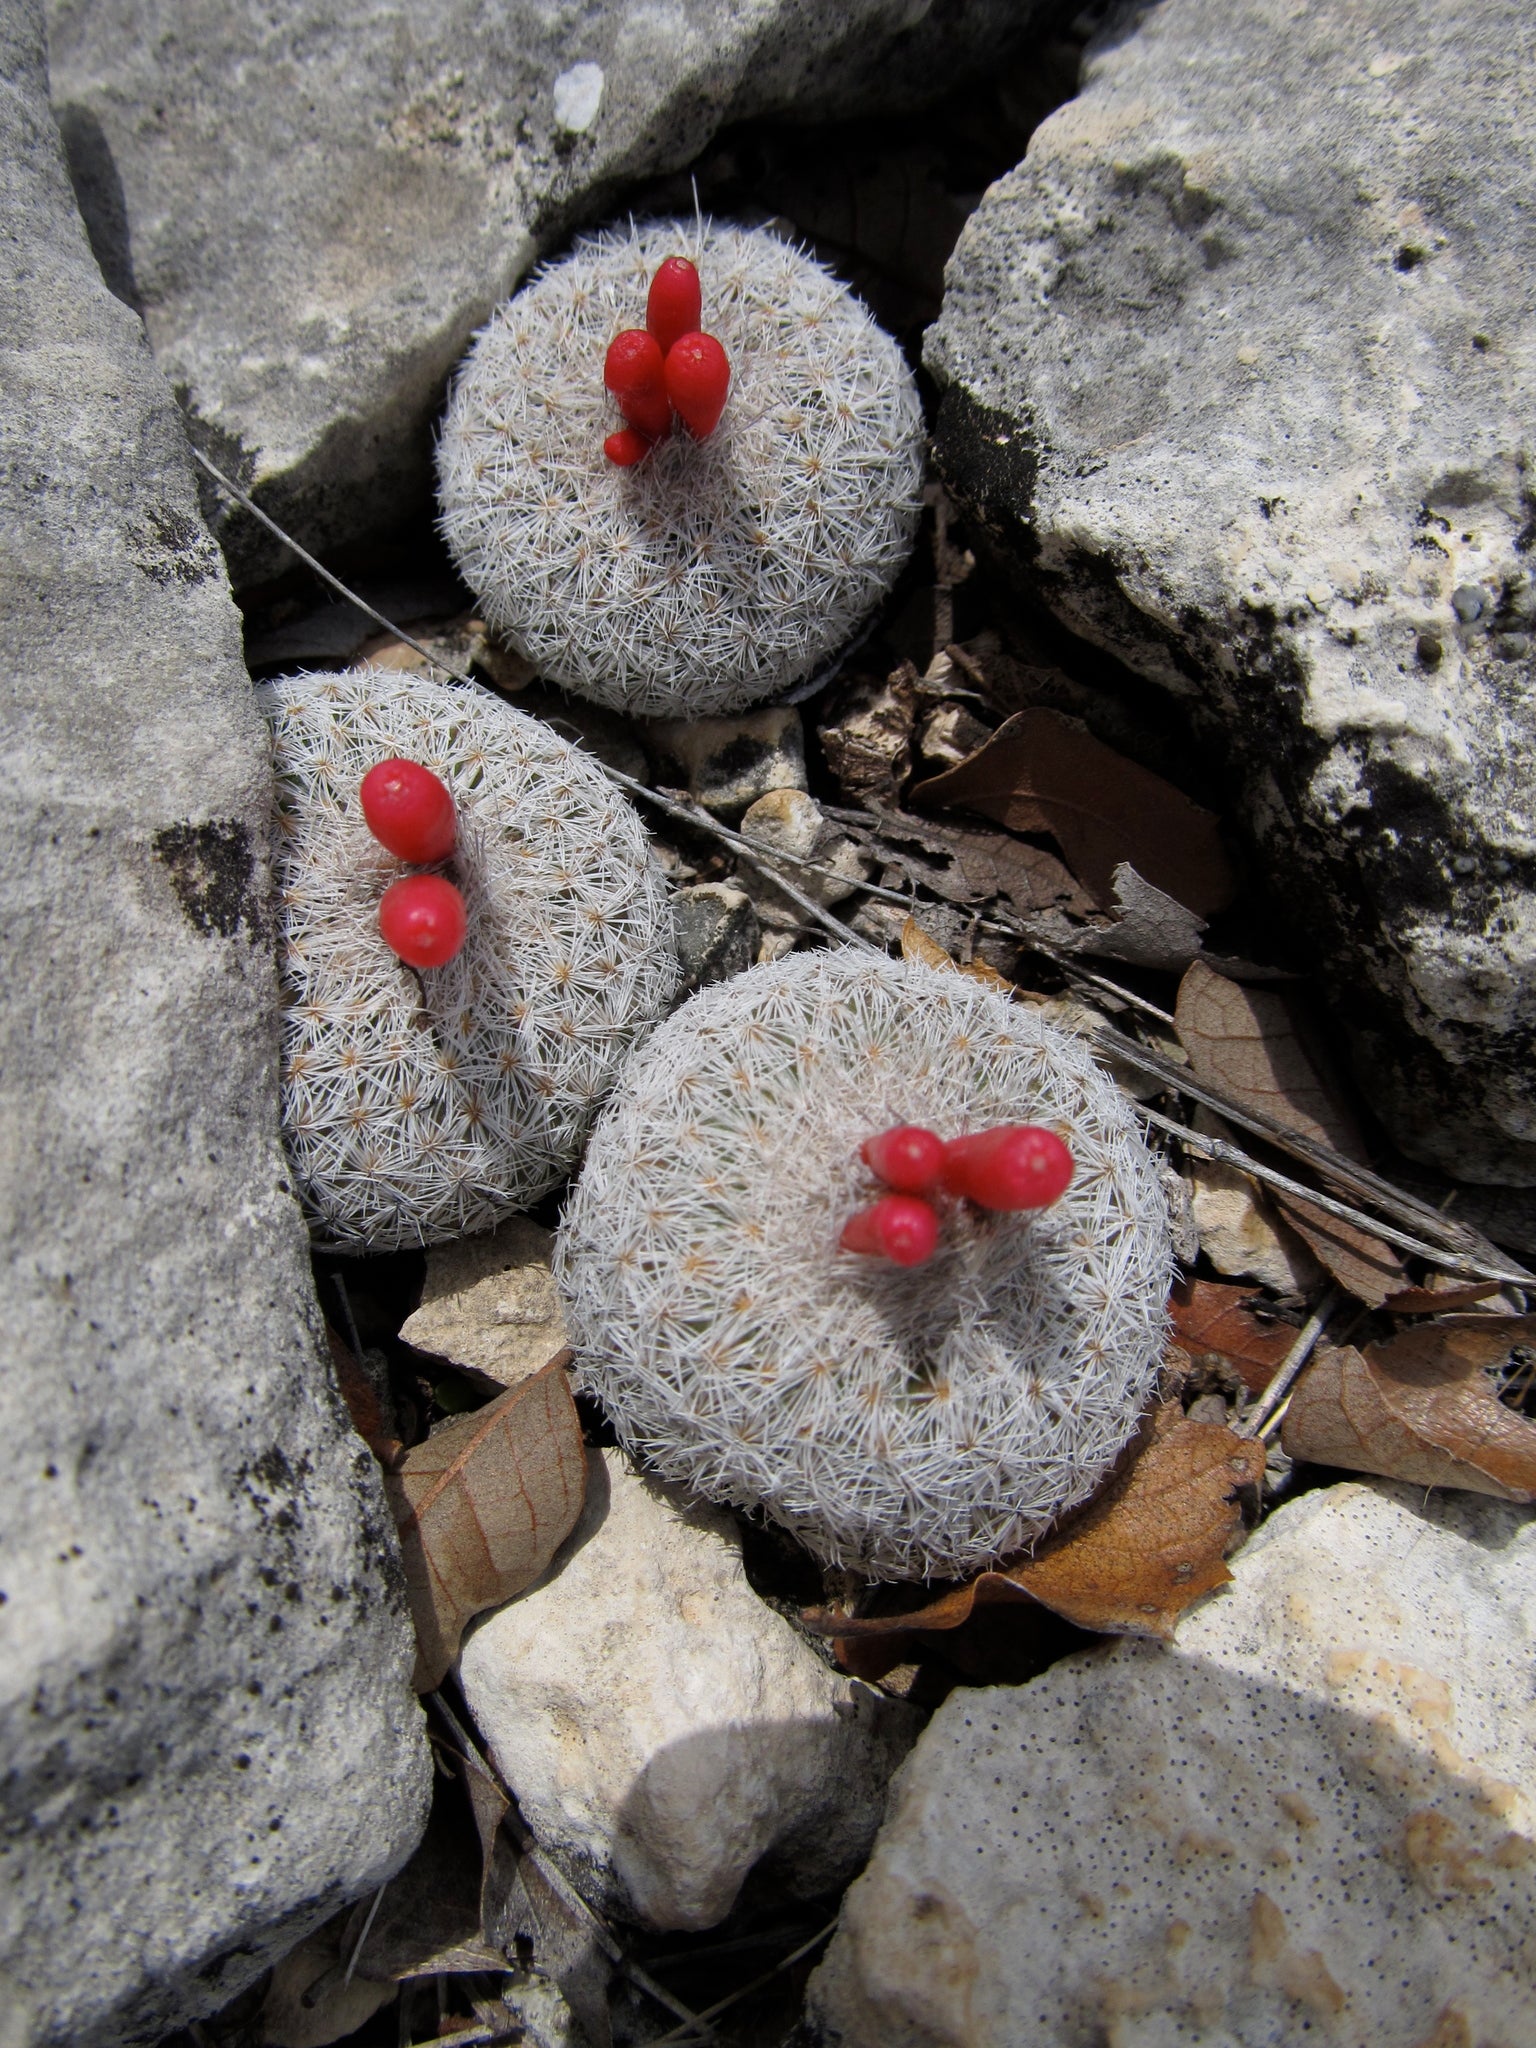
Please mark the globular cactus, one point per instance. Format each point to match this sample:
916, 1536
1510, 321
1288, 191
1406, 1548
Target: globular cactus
421, 1105
914, 1422
714, 572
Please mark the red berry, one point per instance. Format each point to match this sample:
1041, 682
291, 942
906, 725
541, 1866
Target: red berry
698, 378
1015, 1166
907, 1157
636, 375
422, 921
674, 305
627, 447
410, 811
897, 1227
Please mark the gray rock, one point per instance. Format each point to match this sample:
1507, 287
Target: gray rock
1240, 370
728, 763
315, 205
663, 1729
490, 1303
1313, 1818
208, 1735
717, 934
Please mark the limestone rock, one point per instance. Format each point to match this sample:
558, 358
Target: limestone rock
490, 1303
315, 205
728, 763
1240, 370
663, 1729
790, 821
208, 1735
717, 934
1313, 1818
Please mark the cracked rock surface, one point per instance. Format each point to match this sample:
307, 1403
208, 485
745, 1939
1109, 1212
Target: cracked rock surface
1240, 374
314, 205
1313, 1818
209, 1739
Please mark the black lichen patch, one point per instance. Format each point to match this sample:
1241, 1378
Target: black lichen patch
213, 871
990, 461
225, 450
171, 547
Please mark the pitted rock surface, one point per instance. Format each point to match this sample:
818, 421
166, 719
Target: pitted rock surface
208, 1735
1312, 1818
1240, 374
315, 205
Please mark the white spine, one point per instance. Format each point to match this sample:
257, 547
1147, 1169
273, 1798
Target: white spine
909, 1423
714, 573
419, 1107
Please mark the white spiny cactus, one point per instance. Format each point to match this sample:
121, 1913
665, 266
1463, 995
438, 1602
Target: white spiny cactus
716, 572
912, 1422
417, 1107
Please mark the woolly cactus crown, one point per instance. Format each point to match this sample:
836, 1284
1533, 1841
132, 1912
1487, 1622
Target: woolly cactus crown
716, 572
418, 1107
912, 1423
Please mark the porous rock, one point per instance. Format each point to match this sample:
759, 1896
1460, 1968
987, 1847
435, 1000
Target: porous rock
1239, 370
315, 205
791, 821
717, 934
1309, 1819
489, 1302
209, 1739
663, 1729
728, 763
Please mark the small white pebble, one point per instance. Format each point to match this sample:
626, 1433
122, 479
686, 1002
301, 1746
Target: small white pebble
578, 95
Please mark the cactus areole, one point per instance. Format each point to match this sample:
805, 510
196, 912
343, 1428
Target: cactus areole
771, 1321
681, 468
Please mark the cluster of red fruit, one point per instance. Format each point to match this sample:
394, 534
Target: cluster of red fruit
409, 810
665, 367
1012, 1166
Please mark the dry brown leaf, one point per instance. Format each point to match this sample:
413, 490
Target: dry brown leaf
483, 1505
1150, 929
1422, 1406
362, 1401
989, 977
1361, 1263
966, 864
1044, 772
1209, 1316
1439, 1301
916, 944
1245, 1042
1148, 1545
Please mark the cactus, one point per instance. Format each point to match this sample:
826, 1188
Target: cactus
418, 1106
911, 1422
714, 573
